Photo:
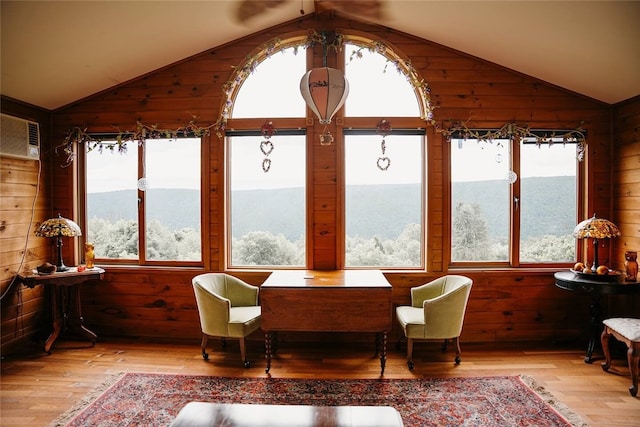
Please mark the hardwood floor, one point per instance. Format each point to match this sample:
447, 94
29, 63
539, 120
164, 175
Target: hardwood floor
36, 387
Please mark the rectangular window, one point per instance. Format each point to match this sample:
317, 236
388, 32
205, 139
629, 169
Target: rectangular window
161, 178
267, 200
548, 210
513, 206
384, 203
172, 200
480, 200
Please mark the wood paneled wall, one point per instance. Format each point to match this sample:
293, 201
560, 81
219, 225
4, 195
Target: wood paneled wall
25, 186
626, 178
505, 305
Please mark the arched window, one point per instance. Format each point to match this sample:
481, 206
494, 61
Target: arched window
266, 174
380, 178
384, 165
272, 89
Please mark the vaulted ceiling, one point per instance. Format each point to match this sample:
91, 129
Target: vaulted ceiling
57, 52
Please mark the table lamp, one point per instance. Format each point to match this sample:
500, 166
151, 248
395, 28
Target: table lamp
596, 229
59, 227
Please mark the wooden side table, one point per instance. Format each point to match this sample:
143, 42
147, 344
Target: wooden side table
63, 290
569, 281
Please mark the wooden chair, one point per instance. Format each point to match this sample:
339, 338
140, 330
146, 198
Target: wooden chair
626, 330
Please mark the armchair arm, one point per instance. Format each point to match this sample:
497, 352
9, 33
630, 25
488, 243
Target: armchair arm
214, 311
427, 291
240, 293
444, 315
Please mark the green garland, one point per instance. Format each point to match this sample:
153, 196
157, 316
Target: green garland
514, 131
80, 136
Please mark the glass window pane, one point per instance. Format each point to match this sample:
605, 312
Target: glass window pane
383, 208
172, 208
267, 215
112, 203
548, 207
376, 88
480, 200
273, 89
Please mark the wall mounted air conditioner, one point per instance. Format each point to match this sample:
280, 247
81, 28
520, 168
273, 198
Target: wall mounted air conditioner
19, 138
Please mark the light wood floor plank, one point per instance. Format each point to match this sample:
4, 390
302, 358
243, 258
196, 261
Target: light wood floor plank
36, 388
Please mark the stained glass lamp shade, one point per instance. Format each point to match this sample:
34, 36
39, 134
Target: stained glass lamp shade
596, 229
58, 228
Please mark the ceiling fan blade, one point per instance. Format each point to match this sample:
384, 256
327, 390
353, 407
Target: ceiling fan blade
249, 9
366, 9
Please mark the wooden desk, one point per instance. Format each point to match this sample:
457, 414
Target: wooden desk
596, 288
327, 301
64, 296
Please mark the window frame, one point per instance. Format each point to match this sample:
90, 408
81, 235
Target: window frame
250, 130
514, 216
419, 132
141, 261
341, 122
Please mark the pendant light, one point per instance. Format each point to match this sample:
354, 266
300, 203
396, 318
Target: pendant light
325, 90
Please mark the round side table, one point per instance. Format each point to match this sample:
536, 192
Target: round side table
596, 288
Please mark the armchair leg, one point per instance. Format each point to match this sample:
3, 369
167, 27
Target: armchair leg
410, 353
457, 343
203, 346
243, 352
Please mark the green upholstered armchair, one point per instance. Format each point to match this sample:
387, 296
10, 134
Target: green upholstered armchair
228, 308
436, 312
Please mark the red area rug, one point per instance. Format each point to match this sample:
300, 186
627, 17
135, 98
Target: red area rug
138, 399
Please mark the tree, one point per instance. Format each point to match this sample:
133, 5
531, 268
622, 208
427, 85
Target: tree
263, 248
470, 238
117, 239
549, 248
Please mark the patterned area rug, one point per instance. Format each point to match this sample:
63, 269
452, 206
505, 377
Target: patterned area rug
138, 399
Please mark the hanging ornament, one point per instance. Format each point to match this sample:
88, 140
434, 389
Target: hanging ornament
499, 153
325, 91
384, 129
266, 146
512, 177
143, 184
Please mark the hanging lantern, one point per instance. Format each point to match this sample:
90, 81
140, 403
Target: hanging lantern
324, 90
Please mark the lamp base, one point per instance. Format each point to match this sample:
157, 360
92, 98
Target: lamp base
60, 264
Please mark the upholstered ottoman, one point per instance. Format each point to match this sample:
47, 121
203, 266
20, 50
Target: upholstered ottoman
628, 331
205, 414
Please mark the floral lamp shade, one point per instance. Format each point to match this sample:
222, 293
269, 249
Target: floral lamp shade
58, 228
596, 228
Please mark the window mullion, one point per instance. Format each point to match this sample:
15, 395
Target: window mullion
516, 202
142, 235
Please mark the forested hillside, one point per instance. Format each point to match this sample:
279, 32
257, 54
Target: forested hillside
278, 214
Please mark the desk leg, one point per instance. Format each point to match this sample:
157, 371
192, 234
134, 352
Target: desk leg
383, 352
267, 349
55, 302
66, 313
594, 327
78, 320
